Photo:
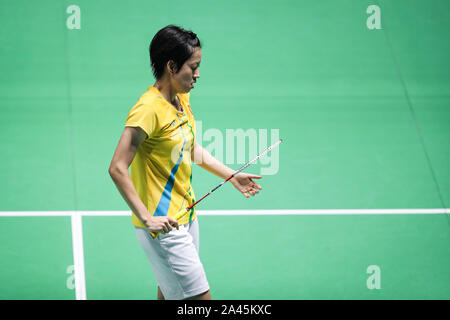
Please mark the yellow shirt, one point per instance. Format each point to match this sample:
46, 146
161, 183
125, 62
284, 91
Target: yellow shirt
161, 170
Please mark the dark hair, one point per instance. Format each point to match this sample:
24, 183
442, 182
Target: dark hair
171, 43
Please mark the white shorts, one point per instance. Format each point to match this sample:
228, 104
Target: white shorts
175, 261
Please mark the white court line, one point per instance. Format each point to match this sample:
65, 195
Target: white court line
233, 212
78, 256
36, 213
322, 212
77, 229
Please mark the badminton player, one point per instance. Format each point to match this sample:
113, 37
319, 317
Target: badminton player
158, 138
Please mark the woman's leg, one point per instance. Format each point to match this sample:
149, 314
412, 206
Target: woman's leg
160, 295
204, 296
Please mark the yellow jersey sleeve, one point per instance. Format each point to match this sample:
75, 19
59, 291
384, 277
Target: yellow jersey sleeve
143, 116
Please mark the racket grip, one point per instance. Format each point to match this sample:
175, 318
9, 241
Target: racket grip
177, 217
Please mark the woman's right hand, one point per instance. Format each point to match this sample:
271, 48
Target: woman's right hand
161, 224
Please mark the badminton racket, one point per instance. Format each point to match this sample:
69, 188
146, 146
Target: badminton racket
182, 213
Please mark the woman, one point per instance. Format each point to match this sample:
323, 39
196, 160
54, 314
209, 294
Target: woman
158, 142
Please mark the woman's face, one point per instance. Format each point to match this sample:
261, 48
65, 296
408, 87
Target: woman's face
183, 81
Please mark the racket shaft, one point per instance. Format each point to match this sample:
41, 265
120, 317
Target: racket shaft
236, 172
229, 178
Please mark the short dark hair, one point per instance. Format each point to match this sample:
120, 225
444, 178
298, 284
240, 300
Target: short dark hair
171, 43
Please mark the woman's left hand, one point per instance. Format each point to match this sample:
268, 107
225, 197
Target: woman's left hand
245, 184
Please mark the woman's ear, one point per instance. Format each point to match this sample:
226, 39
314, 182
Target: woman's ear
171, 67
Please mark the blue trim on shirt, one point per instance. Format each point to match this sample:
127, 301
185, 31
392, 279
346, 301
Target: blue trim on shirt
163, 206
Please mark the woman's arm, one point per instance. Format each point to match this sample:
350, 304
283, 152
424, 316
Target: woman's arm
118, 170
242, 181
